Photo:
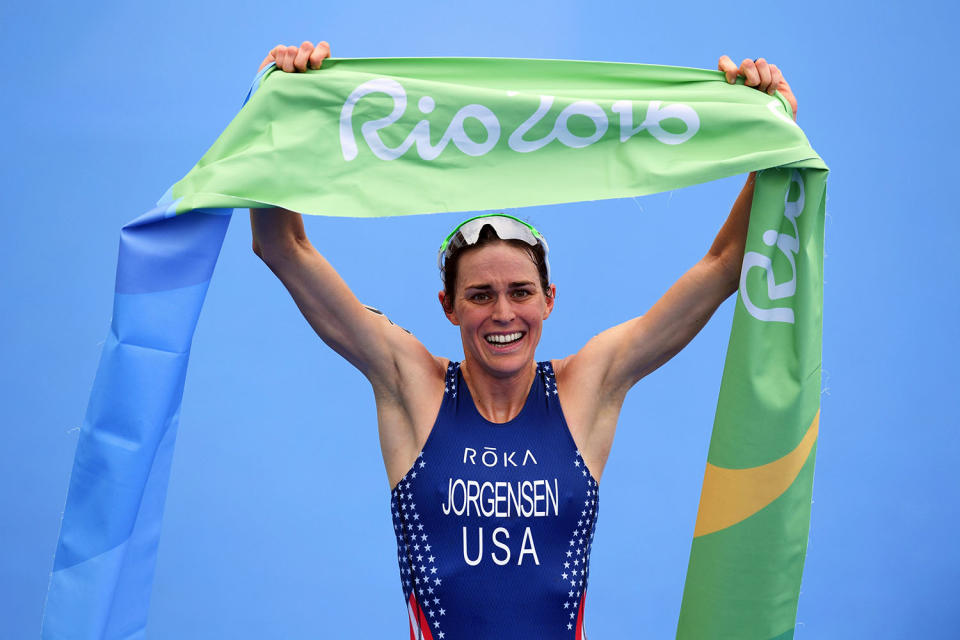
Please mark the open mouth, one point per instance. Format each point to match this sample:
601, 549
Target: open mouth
504, 339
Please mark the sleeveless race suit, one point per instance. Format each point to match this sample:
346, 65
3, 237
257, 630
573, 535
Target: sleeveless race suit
494, 522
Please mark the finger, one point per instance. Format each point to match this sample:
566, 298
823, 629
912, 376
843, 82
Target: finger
303, 55
775, 78
278, 54
787, 92
289, 55
764, 70
784, 86
728, 67
320, 53
748, 69
271, 57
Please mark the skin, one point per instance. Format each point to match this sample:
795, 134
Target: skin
498, 292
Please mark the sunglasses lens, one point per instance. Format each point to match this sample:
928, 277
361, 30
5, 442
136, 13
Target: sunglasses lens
506, 228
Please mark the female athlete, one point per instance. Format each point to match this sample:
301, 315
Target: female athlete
494, 462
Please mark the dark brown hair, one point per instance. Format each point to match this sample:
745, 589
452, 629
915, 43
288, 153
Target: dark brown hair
488, 236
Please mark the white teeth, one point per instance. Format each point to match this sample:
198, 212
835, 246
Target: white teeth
504, 338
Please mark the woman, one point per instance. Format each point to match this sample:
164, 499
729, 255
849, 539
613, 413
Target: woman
494, 462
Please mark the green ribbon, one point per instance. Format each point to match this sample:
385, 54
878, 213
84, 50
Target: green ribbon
383, 137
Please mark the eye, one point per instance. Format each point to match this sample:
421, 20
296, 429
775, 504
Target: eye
522, 293
479, 297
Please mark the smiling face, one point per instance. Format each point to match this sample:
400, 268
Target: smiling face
499, 305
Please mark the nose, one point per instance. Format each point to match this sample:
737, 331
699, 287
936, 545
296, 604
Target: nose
503, 310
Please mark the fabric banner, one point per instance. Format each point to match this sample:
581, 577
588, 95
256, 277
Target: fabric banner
382, 137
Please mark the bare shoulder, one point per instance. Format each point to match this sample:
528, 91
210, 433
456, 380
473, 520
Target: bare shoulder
583, 380
591, 405
408, 395
588, 370
410, 367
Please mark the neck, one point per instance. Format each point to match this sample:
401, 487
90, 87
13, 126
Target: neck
498, 399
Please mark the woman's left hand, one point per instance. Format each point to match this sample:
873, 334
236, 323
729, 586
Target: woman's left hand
759, 74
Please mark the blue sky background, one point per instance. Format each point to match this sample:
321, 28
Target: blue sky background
278, 521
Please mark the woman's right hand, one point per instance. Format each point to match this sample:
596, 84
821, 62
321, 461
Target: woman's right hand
273, 232
293, 59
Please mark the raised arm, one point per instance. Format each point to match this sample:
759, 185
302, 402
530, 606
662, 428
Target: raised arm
383, 352
365, 339
600, 374
651, 340
407, 381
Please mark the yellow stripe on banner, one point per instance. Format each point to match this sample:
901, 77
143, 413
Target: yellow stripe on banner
732, 495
